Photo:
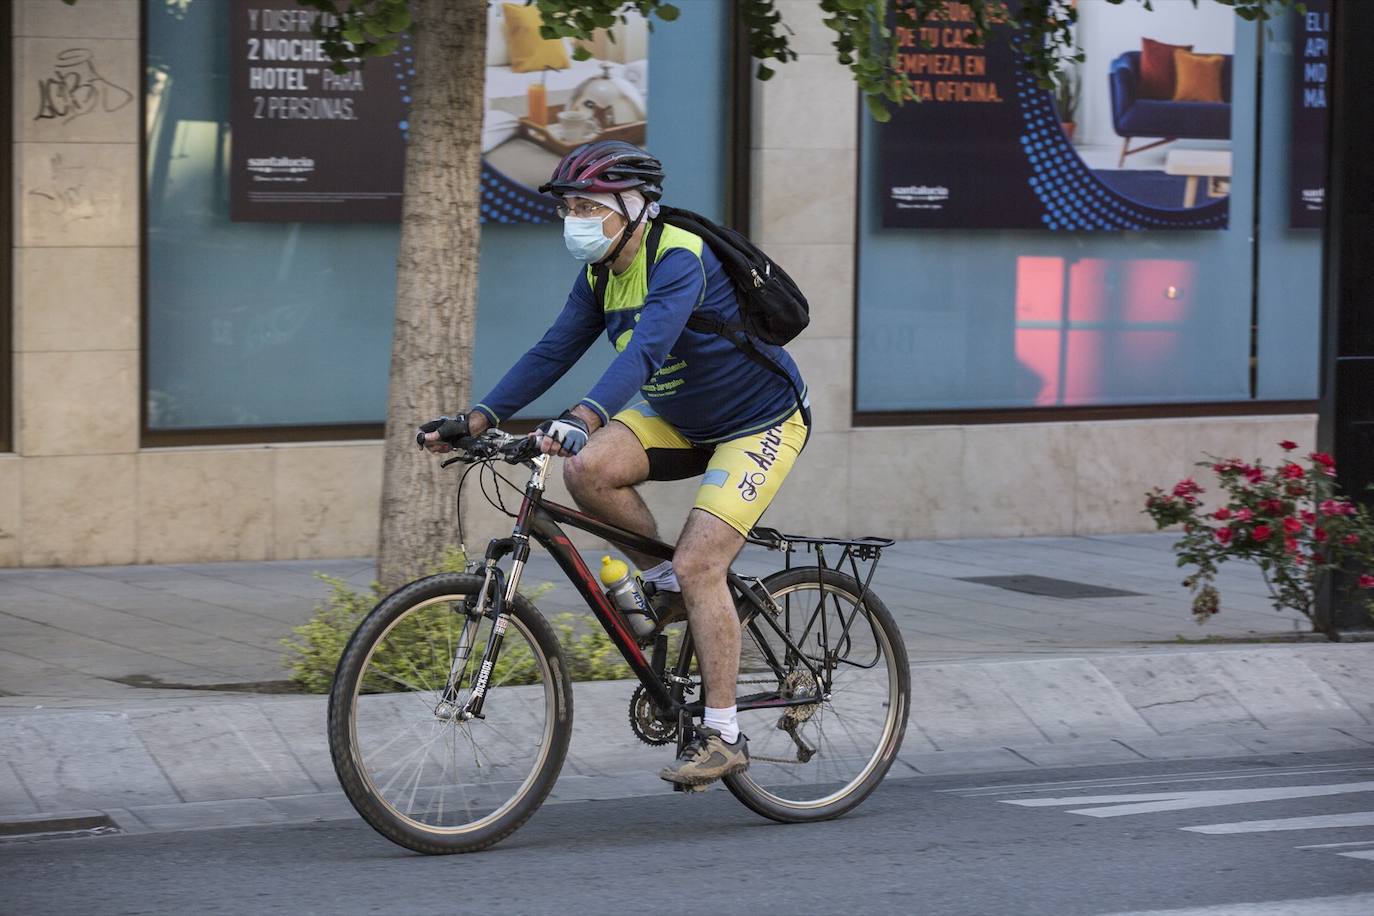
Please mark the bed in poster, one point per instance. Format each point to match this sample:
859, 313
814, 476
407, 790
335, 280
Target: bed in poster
1136, 137
310, 146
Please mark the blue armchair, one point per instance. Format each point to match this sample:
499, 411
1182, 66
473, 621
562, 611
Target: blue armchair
1137, 117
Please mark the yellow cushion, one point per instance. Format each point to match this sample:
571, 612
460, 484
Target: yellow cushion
1198, 77
528, 51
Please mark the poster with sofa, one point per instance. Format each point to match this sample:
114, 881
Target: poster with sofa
1135, 137
542, 102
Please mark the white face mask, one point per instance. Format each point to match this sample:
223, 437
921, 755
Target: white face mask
584, 237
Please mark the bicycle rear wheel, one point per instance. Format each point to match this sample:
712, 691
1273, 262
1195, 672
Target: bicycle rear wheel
818, 761
413, 768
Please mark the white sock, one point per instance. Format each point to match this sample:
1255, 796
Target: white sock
725, 721
662, 576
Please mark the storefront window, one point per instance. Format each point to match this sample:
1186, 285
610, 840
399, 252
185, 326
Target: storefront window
1046, 250
262, 325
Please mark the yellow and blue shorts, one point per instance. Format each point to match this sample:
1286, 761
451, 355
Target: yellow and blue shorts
739, 477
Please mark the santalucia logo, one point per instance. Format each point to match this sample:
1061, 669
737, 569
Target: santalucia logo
919, 193
271, 164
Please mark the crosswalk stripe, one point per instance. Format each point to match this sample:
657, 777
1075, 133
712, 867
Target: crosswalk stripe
1314, 822
1350, 905
1146, 803
1365, 854
1126, 782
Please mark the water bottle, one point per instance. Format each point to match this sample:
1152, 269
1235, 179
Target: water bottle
626, 593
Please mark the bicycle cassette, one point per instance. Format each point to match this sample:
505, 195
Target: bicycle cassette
646, 723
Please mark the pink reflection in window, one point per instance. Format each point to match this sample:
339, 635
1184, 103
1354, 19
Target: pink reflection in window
1039, 289
1038, 351
1088, 289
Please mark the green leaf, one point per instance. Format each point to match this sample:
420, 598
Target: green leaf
877, 109
374, 27
764, 72
667, 12
399, 20
353, 35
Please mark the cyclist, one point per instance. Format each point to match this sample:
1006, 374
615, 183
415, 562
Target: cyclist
697, 406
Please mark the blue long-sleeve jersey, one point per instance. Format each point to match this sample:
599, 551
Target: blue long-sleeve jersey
701, 383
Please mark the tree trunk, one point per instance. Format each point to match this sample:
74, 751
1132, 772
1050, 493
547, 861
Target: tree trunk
436, 281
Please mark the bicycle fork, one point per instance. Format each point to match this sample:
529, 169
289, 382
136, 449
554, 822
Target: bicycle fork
499, 589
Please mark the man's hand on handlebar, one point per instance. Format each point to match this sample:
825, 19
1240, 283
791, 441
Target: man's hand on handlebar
442, 434
566, 435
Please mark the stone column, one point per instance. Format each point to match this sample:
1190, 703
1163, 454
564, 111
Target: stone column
76, 198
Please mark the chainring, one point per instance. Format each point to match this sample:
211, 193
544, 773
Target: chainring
645, 722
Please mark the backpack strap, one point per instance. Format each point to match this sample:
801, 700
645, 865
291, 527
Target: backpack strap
601, 272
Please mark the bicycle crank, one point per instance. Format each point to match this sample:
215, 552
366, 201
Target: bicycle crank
646, 723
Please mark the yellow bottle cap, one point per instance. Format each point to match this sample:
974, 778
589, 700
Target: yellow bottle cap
612, 571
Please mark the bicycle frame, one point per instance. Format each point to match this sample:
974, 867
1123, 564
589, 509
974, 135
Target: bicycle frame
540, 519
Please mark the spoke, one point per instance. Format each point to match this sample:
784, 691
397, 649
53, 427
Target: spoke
411, 689
399, 735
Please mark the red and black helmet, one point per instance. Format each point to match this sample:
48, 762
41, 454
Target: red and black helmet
607, 166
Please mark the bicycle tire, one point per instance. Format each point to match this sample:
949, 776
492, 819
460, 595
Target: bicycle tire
774, 806
357, 783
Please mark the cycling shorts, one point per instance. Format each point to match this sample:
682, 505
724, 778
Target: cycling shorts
739, 477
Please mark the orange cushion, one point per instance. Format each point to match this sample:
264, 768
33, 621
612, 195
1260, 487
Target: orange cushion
1157, 68
1199, 77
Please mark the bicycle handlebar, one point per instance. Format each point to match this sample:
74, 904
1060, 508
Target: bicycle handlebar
494, 444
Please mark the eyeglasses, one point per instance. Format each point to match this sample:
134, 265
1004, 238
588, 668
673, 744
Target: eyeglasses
583, 209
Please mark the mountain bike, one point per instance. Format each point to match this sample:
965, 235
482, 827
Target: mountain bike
451, 707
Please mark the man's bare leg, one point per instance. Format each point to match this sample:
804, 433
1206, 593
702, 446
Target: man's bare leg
704, 553
602, 478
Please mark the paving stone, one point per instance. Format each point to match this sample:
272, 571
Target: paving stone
82, 760
1297, 742
1068, 699
1347, 672
946, 762
959, 706
1175, 693
1076, 753
224, 751
1280, 690
1180, 747
326, 806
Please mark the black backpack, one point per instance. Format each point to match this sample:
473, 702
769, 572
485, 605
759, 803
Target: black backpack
771, 306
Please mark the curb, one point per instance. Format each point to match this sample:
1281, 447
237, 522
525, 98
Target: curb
231, 761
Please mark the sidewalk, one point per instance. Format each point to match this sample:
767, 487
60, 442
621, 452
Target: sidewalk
1001, 678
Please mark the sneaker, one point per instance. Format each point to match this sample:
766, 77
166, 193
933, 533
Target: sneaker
668, 606
707, 758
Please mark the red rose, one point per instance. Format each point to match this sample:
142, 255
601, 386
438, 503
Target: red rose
1288, 445
1366, 581
1291, 525
1292, 471
1308, 518
1323, 459
1270, 506
1222, 514
1254, 475
1290, 545
1295, 488
1318, 558
1319, 535
1261, 533
1350, 540
1336, 507
1223, 536
1186, 488
1244, 515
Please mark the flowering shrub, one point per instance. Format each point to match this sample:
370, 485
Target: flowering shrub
1290, 520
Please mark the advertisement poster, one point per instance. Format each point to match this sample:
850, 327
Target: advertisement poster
310, 145
1137, 136
1311, 56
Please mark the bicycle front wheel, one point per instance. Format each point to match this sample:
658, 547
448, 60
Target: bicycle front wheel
420, 772
819, 760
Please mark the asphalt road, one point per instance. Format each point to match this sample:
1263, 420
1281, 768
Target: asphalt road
1205, 838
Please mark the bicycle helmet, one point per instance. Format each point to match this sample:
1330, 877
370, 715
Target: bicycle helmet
607, 166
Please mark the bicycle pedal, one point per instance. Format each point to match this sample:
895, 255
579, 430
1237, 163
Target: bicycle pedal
678, 787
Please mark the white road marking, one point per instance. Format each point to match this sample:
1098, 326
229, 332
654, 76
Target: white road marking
1210, 776
1315, 822
1336, 845
1352, 905
1366, 854
1146, 803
